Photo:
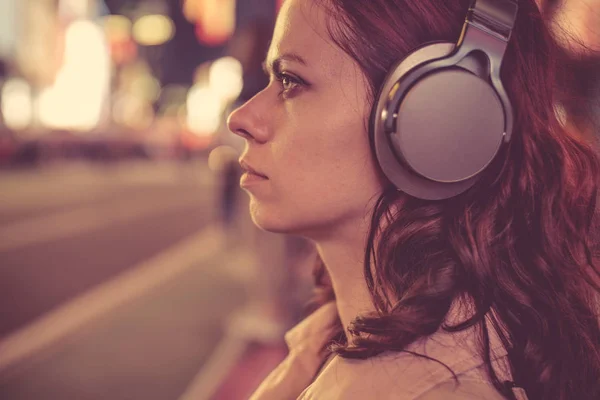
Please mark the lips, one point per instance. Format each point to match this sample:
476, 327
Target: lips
247, 168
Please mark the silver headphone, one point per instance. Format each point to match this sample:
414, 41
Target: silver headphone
442, 113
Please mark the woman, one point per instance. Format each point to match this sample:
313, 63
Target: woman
481, 287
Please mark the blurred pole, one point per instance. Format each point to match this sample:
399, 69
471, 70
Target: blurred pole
230, 192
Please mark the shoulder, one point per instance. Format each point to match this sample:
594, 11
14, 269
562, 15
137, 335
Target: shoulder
426, 367
399, 377
425, 371
466, 389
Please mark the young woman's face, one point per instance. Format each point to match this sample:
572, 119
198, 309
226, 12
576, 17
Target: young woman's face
306, 131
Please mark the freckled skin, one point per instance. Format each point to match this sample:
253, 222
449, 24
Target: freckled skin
311, 140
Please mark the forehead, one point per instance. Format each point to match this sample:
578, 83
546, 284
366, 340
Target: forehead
301, 28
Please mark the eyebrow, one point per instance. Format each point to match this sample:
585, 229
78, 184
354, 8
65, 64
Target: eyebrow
275, 65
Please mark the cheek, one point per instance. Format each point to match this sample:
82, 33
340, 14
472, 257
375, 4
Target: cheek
329, 162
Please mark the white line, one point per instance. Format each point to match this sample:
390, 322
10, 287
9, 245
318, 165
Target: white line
68, 223
247, 325
128, 286
229, 350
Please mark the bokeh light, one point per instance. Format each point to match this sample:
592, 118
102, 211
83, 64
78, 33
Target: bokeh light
77, 97
214, 19
226, 78
17, 105
204, 110
153, 30
117, 27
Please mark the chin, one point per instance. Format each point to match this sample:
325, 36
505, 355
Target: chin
271, 222
289, 222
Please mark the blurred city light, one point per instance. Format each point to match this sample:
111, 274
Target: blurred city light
217, 85
73, 8
153, 30
8, 36
132, 112
204, 110
77, 98
117, 27
145, 86
226, 78
214, 19
39, 42
17, 104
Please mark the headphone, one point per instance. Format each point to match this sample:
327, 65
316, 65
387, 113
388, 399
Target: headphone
442, 113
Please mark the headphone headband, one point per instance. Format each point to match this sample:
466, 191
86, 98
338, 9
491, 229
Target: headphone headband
496, 17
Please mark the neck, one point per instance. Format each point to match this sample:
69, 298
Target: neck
343, 256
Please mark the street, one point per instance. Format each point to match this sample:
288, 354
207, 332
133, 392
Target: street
114, 280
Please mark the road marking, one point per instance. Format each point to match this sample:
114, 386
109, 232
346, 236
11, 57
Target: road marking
71, 222
247, 325
128, 286
229, 349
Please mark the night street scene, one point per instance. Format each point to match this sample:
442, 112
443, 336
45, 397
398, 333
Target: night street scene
130, 267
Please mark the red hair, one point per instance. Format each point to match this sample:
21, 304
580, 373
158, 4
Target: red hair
518, 243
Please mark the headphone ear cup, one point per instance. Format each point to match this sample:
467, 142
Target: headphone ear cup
398, 71
447, 128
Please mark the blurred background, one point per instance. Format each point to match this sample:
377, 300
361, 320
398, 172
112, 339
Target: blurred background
129, 268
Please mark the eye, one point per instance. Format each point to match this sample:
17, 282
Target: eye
289, 83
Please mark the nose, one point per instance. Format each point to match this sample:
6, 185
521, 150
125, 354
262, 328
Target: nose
248, 122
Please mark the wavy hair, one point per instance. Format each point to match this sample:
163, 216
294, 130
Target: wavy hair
519, 243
